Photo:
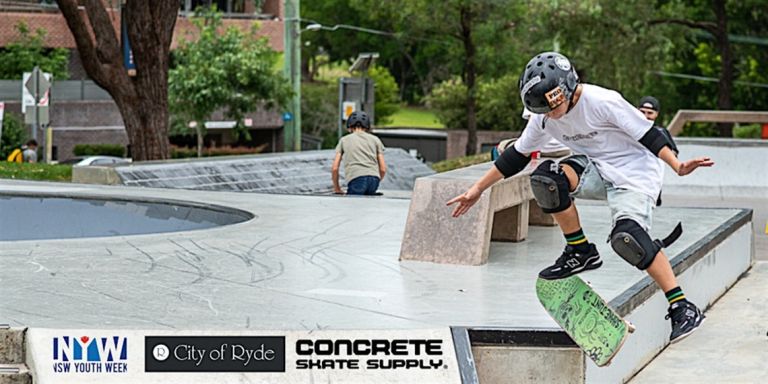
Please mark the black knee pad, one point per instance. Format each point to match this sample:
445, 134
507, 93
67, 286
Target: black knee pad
634, 244
550, 187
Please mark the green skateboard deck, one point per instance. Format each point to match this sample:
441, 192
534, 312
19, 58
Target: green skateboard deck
585, 317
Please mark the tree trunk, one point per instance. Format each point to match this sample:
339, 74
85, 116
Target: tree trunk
725, 86
142, 99
470, 76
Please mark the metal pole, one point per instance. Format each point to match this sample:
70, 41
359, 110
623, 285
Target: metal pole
292, 51
36, 81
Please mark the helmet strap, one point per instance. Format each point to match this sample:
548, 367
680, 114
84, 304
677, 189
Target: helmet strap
570, 100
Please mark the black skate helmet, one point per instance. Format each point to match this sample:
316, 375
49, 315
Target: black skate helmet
358, 117
548, 80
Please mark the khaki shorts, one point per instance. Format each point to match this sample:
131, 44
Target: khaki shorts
624, 203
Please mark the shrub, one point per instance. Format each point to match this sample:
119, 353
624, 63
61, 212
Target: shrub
320, 111
14, 135
99, 150
386, 93
751, 131
184, 152
498, 107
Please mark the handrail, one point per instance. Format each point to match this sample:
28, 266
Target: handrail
684, 116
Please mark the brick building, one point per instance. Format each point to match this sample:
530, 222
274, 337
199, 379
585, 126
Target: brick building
103, 124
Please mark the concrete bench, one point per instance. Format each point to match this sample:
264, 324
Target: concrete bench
503, 213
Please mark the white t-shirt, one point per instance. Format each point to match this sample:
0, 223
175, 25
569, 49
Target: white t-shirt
606, 128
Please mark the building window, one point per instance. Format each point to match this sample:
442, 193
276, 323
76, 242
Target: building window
226, 6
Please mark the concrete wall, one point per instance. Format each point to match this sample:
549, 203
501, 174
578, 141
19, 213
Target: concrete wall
740, 170
523, 365
59, 36
100, 122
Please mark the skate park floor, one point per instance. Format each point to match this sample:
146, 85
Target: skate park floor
302, 262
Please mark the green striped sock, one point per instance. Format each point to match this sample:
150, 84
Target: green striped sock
674, 295
577, 240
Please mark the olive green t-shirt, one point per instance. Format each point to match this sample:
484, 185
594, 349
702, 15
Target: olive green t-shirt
359, 154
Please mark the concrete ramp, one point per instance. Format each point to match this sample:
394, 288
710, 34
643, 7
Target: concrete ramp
326, 263
294, 173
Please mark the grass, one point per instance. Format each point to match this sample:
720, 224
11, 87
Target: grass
38, 171
461, 162
414, 117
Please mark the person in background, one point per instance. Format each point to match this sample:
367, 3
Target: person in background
363, 156
26, 154
650, 107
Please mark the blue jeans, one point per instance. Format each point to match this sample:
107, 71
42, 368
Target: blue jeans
363, 185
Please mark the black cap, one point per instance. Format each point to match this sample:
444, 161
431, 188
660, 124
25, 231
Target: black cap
649, 102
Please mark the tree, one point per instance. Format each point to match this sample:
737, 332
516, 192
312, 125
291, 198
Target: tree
719, 30
27, 52
141, 99
223, 71
454, 25
386, 94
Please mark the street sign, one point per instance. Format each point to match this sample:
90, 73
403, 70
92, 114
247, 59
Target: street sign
38, 85
41, 87
39, 115
128, 61
348, 107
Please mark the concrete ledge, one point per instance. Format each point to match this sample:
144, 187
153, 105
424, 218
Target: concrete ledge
15, 374
706, 270
12, 345
503, 213
96, 175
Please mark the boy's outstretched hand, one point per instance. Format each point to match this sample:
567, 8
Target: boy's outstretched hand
466, 200
689, 166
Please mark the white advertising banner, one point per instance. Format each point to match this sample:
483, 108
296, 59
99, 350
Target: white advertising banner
324, 356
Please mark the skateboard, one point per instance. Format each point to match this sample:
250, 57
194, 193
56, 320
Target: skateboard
585, 316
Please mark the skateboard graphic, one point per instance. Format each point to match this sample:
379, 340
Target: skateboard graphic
585, 317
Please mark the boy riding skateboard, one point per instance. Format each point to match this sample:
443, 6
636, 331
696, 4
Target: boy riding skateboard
616, 160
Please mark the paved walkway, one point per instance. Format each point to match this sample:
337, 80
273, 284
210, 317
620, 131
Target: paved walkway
732, 345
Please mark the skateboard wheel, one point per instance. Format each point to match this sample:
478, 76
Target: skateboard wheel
631, 327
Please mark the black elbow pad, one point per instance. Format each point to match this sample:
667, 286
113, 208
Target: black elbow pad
511, 162
654, 140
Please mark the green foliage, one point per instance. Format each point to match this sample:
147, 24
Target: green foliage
14, 135
183, 152
415, 117
751, 131
320, 111
498, 107
699, 130
448, 100
24, 54
99, 149
461, 162
230, 71
35, 171
612, 43
386, 93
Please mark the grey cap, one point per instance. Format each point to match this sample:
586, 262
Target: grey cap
649, 102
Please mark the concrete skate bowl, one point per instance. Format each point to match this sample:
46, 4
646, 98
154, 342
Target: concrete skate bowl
28, 216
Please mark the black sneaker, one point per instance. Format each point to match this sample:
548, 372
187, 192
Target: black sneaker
572, 262
685, 317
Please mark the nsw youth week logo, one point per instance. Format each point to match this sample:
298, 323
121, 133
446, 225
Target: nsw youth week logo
86, 354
